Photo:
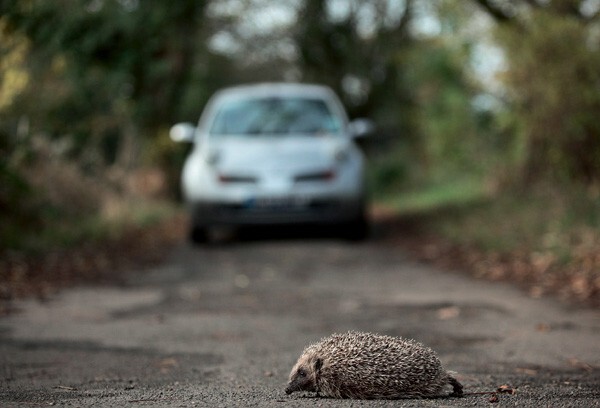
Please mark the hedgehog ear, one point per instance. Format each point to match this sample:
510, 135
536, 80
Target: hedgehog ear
318, 364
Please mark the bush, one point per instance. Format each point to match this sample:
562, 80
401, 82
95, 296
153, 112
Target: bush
553, 76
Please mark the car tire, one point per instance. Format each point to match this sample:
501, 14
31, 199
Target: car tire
357, 229
198, 234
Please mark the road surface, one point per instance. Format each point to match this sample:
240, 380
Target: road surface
222, 325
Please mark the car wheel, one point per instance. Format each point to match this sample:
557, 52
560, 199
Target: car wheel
198, 234
357, 229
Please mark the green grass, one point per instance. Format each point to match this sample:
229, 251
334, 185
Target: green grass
544, 221
558, 221
434, 197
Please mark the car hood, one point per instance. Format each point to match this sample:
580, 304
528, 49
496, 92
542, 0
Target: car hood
283, 155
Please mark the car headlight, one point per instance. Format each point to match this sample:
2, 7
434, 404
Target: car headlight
341, 154
325, 175
213, 157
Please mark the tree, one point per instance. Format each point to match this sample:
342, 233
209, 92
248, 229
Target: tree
554, 81
123, 69
356, 52
508, 11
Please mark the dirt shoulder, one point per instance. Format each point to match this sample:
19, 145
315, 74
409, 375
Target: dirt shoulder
575, 283
97, 261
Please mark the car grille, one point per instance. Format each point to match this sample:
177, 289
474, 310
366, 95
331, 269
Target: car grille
283, 205
327, 175
228, 178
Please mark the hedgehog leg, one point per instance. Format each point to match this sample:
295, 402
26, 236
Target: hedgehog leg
457, 387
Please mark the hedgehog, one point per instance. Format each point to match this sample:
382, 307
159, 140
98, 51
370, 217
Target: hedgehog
370, 366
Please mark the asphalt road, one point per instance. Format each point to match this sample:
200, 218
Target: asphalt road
222, 325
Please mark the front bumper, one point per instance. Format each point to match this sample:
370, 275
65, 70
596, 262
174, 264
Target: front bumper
277, 211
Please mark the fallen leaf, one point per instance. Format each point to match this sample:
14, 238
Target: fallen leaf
447, 313
543, 327
506, 389
580, 364
528, 371
64, 387
494, 398
167, 364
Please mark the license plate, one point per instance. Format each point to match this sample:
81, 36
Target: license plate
277, 203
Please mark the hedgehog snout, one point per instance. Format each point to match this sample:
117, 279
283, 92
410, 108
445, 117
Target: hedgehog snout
294, 386
300, 380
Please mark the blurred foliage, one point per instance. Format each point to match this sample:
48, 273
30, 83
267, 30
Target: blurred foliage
446, 138
17, 202
13, 53
553, 78
95, 82
359, 62
107, 71
452, 142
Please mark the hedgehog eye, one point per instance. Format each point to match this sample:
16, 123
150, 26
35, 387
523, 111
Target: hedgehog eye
301, 373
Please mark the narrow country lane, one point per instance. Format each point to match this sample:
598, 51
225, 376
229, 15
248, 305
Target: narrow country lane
222, 324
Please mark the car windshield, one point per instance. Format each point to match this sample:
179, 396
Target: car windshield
270, 116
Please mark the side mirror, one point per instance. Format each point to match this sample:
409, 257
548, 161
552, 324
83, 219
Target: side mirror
360, 128
182, 132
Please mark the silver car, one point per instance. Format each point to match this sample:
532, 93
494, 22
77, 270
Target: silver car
274, 154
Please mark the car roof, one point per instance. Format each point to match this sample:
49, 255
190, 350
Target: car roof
275, 89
